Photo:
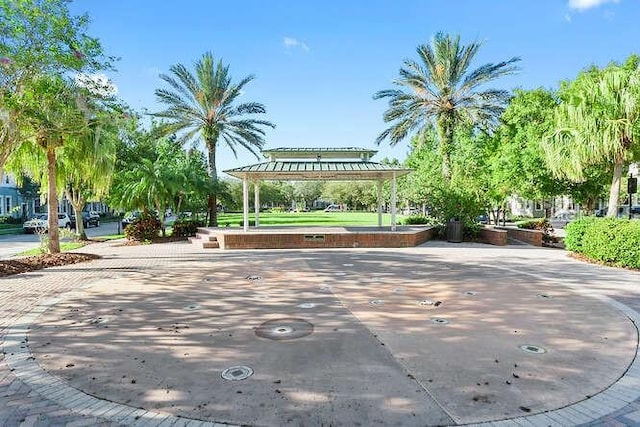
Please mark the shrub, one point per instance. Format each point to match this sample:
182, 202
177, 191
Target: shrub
419, 219
471, 230
540, 224
186, 227
610, 240
145, 227
575, 233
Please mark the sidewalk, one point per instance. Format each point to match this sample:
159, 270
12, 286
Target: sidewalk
170, 317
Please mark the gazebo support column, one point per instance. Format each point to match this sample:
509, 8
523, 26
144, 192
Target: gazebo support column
256, 201
245, 203
393, 202
380, 183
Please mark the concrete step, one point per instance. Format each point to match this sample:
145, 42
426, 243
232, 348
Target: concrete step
205, 240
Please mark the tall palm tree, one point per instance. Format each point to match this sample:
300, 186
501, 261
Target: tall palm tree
440, 88
205, 107
598, 123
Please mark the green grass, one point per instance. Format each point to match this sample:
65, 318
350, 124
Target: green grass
309, 218
64, 247
107, 237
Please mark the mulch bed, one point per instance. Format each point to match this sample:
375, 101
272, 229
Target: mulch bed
38, 262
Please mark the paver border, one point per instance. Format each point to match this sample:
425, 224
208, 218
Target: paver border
22, 363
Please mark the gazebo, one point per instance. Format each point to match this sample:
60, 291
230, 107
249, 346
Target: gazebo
317, 164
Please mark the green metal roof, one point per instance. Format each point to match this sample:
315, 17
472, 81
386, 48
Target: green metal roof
318, 152
310, 171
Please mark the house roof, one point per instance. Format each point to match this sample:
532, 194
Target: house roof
318, 170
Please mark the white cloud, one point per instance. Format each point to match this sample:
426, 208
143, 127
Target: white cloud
291, 43
97, 84
582, 5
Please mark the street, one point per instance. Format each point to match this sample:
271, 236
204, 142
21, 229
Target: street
13, 244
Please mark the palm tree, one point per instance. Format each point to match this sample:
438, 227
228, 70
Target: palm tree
598, 123
440, 88
205, 105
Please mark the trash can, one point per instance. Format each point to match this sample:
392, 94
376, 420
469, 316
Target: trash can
454, 231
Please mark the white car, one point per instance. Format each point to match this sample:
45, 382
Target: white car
41, 223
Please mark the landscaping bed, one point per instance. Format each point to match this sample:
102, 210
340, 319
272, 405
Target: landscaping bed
38, 262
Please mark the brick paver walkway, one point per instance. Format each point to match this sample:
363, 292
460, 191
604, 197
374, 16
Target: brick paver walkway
31, 397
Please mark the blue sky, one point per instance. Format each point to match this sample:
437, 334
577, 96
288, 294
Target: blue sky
318, 63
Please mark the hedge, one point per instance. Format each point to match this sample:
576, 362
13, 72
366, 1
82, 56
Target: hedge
609, 240
186, 227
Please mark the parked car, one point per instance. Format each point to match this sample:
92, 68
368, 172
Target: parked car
41, 222
88, 219
332, 208
129, 219
561, 219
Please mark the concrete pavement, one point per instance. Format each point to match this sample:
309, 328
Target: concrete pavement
353, 337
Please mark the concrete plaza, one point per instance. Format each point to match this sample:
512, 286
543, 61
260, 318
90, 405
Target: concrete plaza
440, 334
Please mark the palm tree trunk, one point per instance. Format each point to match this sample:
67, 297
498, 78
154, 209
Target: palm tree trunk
445, 131
213, 174
54, 232
78, 204
614, 191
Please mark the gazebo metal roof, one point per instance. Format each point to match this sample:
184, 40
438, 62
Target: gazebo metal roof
318, 153
310, 171
310, 164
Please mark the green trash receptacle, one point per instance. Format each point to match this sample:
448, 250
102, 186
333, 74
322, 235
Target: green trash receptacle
454, 231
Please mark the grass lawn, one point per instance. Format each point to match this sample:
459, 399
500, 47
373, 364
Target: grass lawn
107, 237
64, 247
309, 218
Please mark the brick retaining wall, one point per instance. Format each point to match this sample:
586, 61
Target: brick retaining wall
310, 239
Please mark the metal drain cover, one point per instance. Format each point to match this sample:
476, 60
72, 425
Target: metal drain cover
254, 278
531, 348
376, 302
191, 307
237, 373
471, 293
439, 320
208, 279
307, 305
287, 328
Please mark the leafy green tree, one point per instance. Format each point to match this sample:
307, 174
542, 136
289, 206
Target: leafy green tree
441, 89
52, 114
308, 191
41, 44
38, 37
597, 124
205, 107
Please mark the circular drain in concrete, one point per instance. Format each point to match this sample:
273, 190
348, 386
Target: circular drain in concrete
191, 307
287, 328
376, 302
254, 278
306, 305
439, 321
544, 296
530, 348
208, 279
237, 373
471, 293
